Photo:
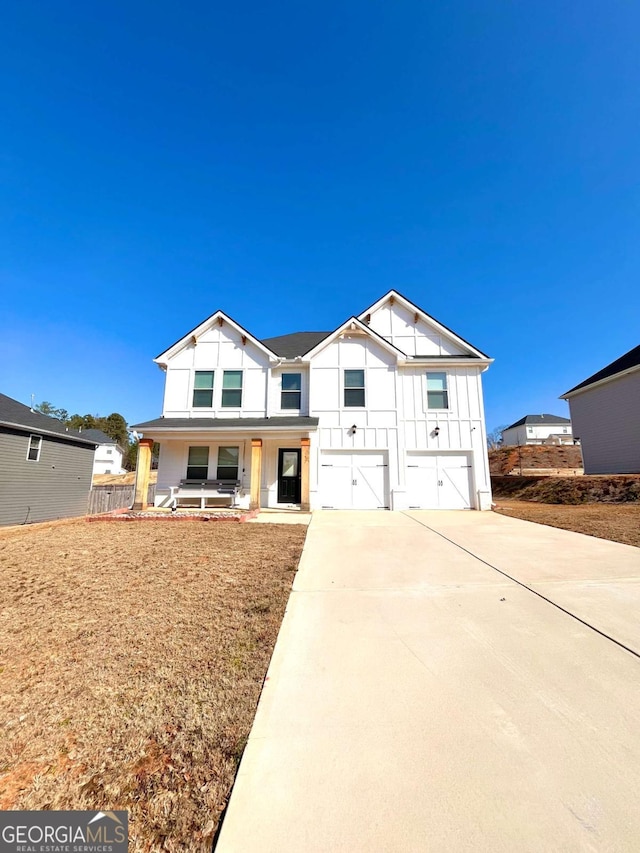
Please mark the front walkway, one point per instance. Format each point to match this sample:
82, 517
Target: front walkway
420, 700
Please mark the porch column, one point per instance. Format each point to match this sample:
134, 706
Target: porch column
256, 472
143, 470
304, 474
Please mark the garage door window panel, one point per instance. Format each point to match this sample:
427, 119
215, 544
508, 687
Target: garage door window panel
354, 389
437, 391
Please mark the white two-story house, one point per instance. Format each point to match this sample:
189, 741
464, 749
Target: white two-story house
385, 412
538, 429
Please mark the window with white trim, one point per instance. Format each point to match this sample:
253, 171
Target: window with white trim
198, 463
291, 392
231, 389
203, 389
35, 446
228, 463
354, 389
437, 392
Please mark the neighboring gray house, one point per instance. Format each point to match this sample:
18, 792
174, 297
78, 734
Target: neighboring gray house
109, 454
45, 469
605, 412
538, 429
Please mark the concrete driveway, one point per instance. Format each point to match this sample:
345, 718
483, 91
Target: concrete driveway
421, 700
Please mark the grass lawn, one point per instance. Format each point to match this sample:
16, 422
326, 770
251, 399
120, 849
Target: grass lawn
618, 522
131, 661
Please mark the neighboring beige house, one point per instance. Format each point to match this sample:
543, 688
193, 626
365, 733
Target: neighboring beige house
538, 429
385, 412
605, 412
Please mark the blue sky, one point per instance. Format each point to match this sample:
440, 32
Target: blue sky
291, 162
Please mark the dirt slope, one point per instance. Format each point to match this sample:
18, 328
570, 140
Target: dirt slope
507, 460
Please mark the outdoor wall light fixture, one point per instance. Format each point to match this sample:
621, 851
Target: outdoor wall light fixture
353, 429
436, 431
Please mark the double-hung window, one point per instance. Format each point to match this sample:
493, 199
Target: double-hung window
203, 389
198, 463
232, 389
291, 391
35, 445
228, 463
354, 388
437, 392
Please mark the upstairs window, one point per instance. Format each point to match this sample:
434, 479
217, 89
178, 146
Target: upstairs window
35, 445
203, 389
354, 388
437, 393
198, 464
291, 391
232, 389
228, 463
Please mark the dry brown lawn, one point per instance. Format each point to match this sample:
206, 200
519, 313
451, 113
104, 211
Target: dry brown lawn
131, 661
618, 522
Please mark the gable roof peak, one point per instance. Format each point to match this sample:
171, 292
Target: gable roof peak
394, 295
192, 336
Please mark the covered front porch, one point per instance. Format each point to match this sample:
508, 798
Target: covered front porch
226, 464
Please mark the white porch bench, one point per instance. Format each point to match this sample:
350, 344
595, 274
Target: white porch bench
203, 490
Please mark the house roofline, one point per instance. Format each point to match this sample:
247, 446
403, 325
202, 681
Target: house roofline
362, 327
203, 326
579, 390
49, 432
408, 303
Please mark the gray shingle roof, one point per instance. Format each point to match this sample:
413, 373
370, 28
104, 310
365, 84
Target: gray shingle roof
13, 413
540, 419
199, 424
625, 362
297, 343
98, 436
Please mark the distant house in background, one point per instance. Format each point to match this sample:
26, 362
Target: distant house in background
45, 469
109, 454
605, 411
538, 429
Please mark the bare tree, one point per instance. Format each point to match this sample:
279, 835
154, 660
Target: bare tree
494, 438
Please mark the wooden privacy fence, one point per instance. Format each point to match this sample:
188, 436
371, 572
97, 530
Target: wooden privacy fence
108, 498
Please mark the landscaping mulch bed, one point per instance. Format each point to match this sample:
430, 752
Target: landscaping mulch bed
131, 661
615, 521
239, 515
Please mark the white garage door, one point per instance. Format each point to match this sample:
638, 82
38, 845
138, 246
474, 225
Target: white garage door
353, 480
439, 481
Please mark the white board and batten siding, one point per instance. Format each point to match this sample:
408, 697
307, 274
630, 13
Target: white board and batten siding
218, 349
370, 466
398, 325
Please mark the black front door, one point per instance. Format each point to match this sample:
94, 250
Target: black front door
288, 476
